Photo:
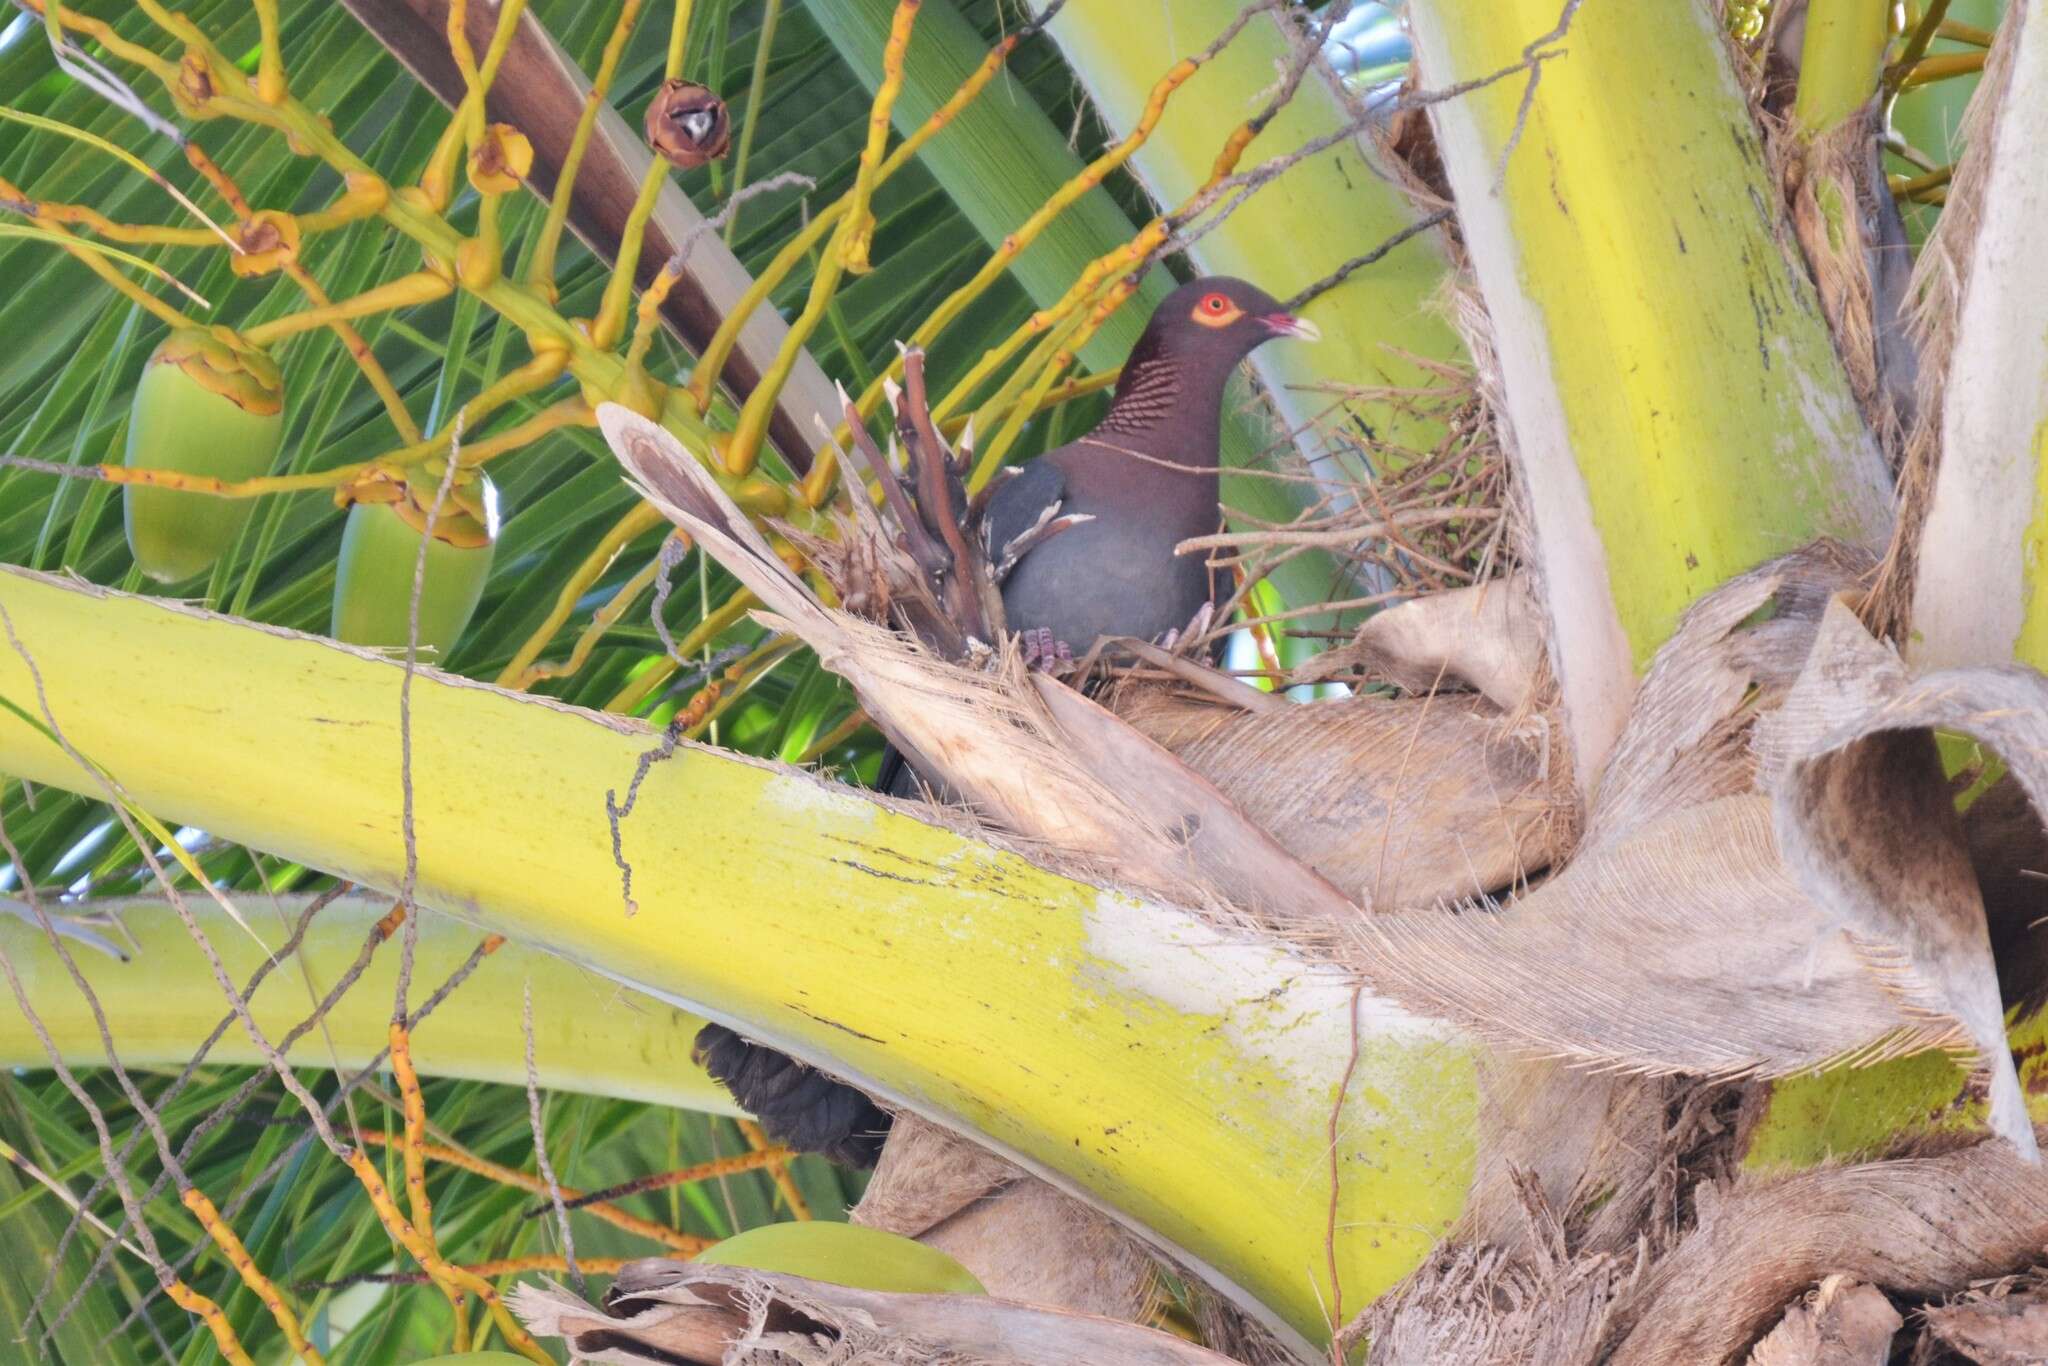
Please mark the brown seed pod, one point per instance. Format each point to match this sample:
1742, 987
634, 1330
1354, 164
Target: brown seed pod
688, 124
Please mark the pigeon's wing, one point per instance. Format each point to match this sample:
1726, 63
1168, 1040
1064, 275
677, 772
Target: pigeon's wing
1020, 502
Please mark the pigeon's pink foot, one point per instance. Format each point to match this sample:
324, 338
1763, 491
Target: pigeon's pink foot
1043, 653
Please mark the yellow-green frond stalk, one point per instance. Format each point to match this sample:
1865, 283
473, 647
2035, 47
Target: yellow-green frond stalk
160, 999
207, 405
380, 554
1736, 436
846, 1254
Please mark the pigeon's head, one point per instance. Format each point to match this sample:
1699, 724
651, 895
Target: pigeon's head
1222, 317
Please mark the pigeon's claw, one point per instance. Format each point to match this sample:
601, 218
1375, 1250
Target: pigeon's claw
1197, 627
1043, 653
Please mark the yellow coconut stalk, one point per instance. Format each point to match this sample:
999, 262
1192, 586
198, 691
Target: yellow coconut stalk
161, 1001
207, 404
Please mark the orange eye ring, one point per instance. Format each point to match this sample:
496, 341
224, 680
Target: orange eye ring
1216, 310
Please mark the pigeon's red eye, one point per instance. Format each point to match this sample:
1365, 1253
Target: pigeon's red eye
1216, 310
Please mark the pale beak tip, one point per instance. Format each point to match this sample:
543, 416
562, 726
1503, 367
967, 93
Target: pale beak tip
1301, 329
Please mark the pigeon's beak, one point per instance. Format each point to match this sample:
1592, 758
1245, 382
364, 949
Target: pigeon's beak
1287, 325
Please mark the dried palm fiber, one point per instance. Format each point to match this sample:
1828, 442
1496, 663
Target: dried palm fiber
1941, 275
1479, 1306
1400, 802
1676, 941
1687, 738
1849, 691
1917, 1225
1848, 225
667, 1312
1868, 823
1872, 928
1487, 637
2004, 1323
1001, 1223
1842, 1323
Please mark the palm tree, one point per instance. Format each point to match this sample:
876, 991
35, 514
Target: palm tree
1625, 396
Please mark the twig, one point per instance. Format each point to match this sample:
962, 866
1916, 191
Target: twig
1357, 263
540, 1146
1336, 1178
616, 811
220, 1114
410, 882
1534, 61
703, 1171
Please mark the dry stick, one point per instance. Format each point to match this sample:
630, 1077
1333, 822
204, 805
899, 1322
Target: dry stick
1335, 536
421, 1248
1237, 188
1344, 272
673, 549
1336, 1179
400, 1049
540, 1146
1535, 64
504, 1266
616, 811
657, 291
167, 1280
194, 1200
703, 1171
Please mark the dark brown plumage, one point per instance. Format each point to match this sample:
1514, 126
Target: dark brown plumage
1145, 479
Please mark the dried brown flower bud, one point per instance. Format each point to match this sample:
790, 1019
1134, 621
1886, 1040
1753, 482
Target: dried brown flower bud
267, 239
688, 124
501, 160
193, 90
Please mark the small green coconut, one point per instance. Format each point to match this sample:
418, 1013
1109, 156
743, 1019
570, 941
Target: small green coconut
208, 404
846, 1254
380, 549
